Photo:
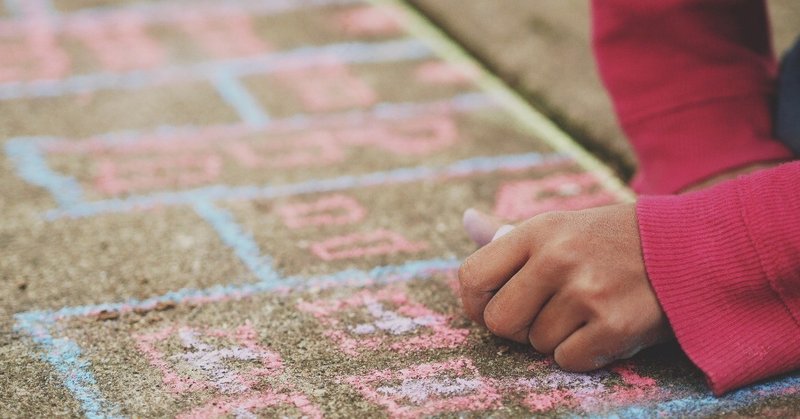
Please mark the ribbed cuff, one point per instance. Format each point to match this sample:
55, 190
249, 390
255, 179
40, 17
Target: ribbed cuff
713, 284
690, 144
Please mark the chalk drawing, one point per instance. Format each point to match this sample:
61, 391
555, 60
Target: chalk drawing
294, 142
34, 65
326, 211
459, 169
297, 59
519, 200
444, 73
416, 137
32, 53
115, 177
554, 389
200, 358
123, 45
328, 85
300, 150
75, 369
360, 245
396, 324
211, 354
163, 11
370, 21
453, 386
224, 35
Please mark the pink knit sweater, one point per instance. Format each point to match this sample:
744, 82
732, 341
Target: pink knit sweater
692, 82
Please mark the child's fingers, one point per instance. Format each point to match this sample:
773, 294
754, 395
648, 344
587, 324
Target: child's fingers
510, 313
486, 270
556, 321
589, 348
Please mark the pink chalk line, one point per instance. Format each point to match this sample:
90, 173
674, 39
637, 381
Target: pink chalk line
361, 245
414, 137
327, 211
328, 86
557, 389
204, 359
229, 34
32, 54
302, 150
426, 389
246, 406
115, 177
519, 200
456, 386
239, 395
371, 21
120, 45
156, 161
444, 73
405, 321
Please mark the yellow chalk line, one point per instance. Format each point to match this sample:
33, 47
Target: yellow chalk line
528, 117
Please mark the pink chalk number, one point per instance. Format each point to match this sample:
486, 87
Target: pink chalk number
226, 35
453, 386
31, 53
329, 210
115, 177
519, 200
396, 323
328, 86
360, 245
121, 44
370, 21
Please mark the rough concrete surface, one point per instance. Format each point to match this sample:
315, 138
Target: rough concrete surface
252, 208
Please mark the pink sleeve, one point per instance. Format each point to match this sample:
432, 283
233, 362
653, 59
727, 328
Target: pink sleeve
692, 83
725, 265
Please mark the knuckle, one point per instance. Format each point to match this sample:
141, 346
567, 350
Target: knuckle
588, 296
617, 327
466, 275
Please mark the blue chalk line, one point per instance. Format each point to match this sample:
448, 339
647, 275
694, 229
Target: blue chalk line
347, 52
76, 372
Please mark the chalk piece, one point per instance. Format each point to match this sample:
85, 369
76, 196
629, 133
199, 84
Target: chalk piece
502, 231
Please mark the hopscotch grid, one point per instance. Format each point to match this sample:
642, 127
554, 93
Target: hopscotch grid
351, 52
165, 11
65, 355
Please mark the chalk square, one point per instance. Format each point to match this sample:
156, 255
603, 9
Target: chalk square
112, 257
200, 361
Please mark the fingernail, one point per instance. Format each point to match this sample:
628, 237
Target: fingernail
502, 231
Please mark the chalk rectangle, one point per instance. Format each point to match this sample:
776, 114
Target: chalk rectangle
281, 152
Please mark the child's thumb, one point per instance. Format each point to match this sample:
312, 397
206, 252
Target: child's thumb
482, 228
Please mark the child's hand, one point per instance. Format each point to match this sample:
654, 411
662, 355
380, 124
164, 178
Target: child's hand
573, 284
